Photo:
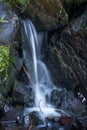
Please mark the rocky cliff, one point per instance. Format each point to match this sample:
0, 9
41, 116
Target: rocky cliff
67, 58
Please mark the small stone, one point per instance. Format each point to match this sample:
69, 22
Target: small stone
19, 119
26, 121
6, 108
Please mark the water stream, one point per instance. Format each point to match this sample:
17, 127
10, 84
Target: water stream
40, 76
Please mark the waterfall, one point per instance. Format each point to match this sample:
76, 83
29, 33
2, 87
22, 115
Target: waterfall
40, 76
33, 42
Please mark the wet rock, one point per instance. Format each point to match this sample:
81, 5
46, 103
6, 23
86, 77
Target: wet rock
11, 115
24, 93
79, 125
32, 120
19, 119
9, 25
16, 128
34, 117
6, 108
81, 22
67, 102
27, 121
67, 58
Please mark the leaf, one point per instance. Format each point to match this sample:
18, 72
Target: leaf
2, 19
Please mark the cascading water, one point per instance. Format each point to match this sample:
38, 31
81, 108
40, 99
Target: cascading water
43, 85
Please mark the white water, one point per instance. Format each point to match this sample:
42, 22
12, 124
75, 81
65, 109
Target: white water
32, 38
42, 82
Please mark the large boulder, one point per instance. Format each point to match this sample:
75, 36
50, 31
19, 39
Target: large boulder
46, 14
8, 24
68, 103
67, 58
10, 61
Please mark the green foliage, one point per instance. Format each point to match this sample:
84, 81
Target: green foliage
6, 66
2, 20
22, 1
75, 1
19, 4
4, 62
15, 2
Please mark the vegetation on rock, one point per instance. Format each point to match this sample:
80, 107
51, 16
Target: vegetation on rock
14, 2
4, 62
74, 1
20, 4
4, 67
2, 20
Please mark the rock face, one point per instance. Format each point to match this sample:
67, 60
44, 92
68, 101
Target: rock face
8, 24
67, 58
47, 14
67, 102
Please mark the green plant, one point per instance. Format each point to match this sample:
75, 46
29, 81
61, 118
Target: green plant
22, 1
2, 20
4, 62
19, 4
74, 1
15, 2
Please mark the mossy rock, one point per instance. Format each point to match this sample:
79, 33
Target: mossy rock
47, 14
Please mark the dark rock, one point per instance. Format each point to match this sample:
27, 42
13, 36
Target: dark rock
67, 102
47, 14
16, 128
6, 108
11, 115
81, 22
79, 125
22, 94
34, 117
74, 8
67, 58
1, 126
83, 123
27, 121
19, 119
13, 70
10, 24
2, 113
67, 122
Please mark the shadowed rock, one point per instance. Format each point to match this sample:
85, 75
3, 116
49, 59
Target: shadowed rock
8, 25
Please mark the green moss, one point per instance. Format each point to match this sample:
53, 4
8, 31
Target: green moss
14, 2
4, 62
6, 65
84, 27
19, 4
75, 1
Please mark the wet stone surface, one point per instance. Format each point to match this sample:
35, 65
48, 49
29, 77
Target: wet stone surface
67, 101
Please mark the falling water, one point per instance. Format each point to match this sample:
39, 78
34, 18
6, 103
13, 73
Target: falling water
42, 82
32, 38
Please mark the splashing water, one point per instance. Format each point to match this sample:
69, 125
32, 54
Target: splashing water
42, 81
